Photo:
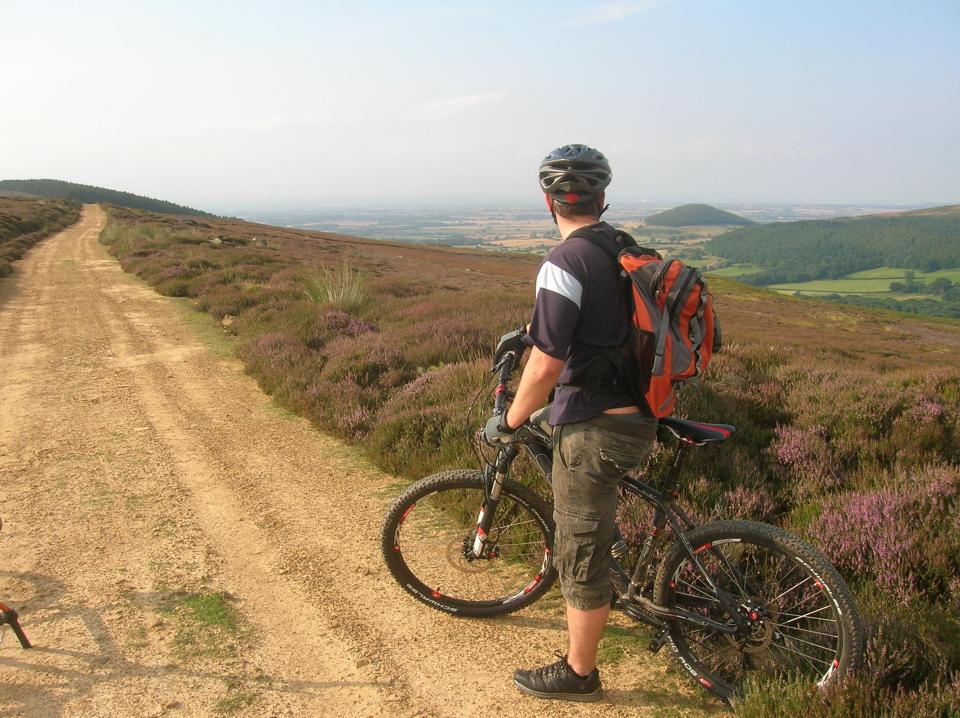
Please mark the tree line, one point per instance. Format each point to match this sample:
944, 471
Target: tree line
89, 194
831, 249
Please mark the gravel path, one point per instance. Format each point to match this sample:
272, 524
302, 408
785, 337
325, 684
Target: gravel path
143, 474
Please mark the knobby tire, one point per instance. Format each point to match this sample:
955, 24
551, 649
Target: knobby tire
808, 626
427, 530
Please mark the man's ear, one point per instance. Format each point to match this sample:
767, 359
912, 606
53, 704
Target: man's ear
549, 200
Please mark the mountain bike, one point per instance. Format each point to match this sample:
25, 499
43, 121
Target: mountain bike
731, 598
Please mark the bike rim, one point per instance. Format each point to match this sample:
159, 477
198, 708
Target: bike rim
794, 621
432, 540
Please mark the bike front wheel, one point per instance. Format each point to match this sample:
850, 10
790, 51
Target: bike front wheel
428, 535
801, 621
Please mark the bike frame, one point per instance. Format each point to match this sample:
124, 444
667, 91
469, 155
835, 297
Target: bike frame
665, 510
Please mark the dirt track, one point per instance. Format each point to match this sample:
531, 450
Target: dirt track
139, 464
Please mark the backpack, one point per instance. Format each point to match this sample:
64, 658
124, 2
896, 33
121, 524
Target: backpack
674, 330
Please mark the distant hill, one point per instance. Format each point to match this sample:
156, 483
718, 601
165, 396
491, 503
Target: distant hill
927, 240
91, 195
689, 215
946, 210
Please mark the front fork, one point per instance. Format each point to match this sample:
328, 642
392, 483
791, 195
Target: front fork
489, 508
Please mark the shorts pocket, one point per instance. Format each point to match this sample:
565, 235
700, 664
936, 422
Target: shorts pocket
569, 445
576, 546
623, 461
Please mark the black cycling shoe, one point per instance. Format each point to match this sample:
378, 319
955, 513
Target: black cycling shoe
558, 680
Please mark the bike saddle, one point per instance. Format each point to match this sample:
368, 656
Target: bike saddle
698, 432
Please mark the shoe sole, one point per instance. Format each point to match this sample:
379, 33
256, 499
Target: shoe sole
582, 697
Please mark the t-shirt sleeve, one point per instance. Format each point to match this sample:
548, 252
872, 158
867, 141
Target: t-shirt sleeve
557, 306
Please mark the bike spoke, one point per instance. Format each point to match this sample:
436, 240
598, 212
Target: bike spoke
809, 643
702, 593
808, 659
808, 578
797, 618
800, 602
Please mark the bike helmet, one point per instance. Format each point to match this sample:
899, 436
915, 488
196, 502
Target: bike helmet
573, 174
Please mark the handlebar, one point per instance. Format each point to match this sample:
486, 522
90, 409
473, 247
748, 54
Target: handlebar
506, 365
506, 357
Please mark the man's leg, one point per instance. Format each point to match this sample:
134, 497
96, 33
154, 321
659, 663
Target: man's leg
585, 629
588, 462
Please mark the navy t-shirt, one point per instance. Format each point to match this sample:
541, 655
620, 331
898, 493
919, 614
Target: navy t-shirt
580, 308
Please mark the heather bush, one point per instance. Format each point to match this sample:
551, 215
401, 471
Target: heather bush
897, 535
805, 460
424, 426
857, 697
24, 221
369, 359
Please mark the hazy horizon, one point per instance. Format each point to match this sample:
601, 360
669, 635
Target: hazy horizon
306, 106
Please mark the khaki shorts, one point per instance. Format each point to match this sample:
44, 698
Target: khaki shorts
589, 458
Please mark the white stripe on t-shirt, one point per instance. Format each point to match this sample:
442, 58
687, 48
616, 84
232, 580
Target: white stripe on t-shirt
560, 281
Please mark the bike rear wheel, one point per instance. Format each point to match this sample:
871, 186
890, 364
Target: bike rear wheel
802, 620
428, 533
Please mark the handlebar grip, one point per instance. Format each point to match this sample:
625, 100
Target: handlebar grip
506, 369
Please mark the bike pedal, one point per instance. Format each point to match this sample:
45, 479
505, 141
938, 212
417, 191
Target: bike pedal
657, 642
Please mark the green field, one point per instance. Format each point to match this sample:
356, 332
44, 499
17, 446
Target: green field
737, 270
871, 281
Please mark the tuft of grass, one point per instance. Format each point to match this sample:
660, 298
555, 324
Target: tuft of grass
341, 286
207, 624
234, 702
210, 609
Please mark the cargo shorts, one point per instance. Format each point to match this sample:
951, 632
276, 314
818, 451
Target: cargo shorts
589, 459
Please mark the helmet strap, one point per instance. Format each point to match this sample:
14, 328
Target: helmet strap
549, 200
601, 210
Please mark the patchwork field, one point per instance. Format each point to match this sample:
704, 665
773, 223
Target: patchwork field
871, 281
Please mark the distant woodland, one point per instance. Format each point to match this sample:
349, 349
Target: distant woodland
88, 194
830, 249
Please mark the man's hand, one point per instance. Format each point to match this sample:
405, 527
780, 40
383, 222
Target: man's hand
495, 433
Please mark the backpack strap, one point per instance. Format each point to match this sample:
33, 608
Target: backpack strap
612, 241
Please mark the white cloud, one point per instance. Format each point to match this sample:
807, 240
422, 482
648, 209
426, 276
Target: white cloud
612, 12
454, 105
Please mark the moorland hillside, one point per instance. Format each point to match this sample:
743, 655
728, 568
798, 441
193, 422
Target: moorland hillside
848, 419
24, 221
88, 194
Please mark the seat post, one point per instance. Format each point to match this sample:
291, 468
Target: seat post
673, 476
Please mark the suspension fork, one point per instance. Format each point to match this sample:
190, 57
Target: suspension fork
494, 487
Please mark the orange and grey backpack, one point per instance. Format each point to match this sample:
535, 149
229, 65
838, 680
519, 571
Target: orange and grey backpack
674, 330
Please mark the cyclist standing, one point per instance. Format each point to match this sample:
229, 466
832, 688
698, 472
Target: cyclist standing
580, 323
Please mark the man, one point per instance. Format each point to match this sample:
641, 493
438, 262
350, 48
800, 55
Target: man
580, 319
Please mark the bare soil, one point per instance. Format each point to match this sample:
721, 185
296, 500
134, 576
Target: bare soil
141, 470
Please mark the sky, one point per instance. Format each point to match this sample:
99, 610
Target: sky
252, 106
